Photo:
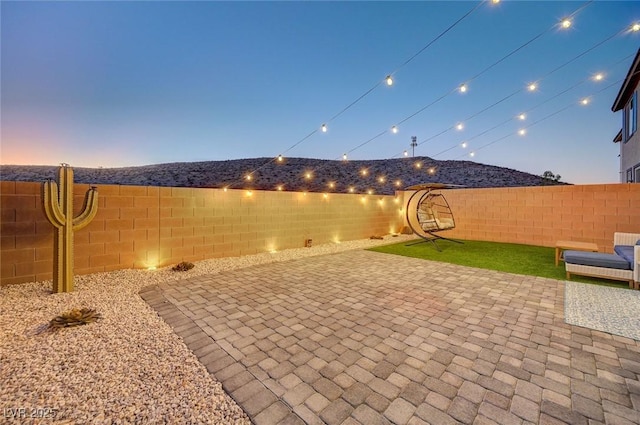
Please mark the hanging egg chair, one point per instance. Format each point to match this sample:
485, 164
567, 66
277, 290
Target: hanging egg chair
428, 212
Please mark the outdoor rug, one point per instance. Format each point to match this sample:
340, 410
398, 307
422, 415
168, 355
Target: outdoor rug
603, 308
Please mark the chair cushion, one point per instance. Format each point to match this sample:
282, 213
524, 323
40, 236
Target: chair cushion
625, 251
596, 259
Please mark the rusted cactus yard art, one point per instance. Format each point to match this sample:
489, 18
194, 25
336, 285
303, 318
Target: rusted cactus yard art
57, 201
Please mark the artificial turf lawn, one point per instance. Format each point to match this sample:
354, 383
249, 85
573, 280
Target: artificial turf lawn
505, 257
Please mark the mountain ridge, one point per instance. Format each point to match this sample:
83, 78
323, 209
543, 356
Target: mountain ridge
381, 176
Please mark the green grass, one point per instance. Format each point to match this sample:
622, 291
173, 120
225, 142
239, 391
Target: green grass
505, 257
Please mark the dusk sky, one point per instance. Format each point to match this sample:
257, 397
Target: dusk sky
117, 84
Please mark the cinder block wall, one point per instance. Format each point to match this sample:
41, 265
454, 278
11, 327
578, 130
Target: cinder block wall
139, 227
543, 215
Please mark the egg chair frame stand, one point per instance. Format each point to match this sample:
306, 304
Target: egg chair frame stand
428, 213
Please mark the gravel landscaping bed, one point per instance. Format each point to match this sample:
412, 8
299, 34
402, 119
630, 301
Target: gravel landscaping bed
129, 366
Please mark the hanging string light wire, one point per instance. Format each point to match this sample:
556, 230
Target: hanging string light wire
600, 43
553, 114
511, 53
375, 86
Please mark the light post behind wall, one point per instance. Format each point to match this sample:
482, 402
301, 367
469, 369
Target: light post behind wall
414, 143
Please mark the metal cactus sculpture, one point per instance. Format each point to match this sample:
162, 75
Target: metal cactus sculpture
58, 208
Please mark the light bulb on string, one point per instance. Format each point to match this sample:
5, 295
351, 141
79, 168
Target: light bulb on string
389, 80
522, 132
598, 77
522, 116
405, 153
462, 88
495, 1
364, 172
280, 158
459, 126
418, 165
635, 27
532, 87
565, 23
344, 156
585, 101
394, 129
381, 179
472, 154
464, 145
432, 170
248, 177
398, 183
307, 175
332, 185
351, 189
323, 128
279, 187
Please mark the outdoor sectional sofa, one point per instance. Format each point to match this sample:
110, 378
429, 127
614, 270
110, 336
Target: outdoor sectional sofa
623, 265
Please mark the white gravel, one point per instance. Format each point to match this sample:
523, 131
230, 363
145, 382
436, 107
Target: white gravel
129, 367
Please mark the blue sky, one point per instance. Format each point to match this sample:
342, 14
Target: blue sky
132, 83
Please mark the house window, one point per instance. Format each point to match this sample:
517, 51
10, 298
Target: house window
631, 116
629, 175
637, 173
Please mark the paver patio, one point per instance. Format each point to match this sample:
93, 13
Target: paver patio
367, 338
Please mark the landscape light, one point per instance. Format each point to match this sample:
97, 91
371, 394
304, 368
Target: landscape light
324, 128
389, 80
224, 188
394, 129
325, 195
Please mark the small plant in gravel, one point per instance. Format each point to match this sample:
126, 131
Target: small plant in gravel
183, 266
75, 317
376, 237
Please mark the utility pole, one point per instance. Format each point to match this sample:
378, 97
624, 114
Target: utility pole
414, 143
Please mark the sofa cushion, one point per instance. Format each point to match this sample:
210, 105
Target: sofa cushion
625, 251
596, 259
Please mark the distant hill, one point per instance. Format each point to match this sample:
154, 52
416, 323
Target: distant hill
290, 173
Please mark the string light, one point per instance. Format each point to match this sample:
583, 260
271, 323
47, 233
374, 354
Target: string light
522, 116
381, 179
464, 145
418, 165
405, 153
635, 27
598, 77
351, 189
462, 88
324, 128
364, 172
585, 101
495, 1
370, 192
279, 187
344, 156
432, 170
225, 188
472, 154
459, 126
566, 23
522, 132
332, 185
532, 87
394, 129
248, 177
307, 175
280, 158
398, 183
389, 80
